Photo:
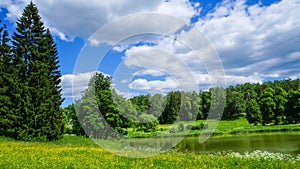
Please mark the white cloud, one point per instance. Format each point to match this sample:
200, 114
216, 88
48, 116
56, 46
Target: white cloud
254, 42
74, 84
256, 39
71, 18
14, 8
154, 86
150, 71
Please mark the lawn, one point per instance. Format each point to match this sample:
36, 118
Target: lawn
223, 127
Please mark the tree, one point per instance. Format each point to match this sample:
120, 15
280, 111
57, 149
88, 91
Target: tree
125, 109
71, 122
157, 105
236, 104
267, 105
292, 110
97, 111
206, 101
196, 102
6, 79
37, 97
88, 113
280, 99
171, 112
253, 112
141, 103
186, 113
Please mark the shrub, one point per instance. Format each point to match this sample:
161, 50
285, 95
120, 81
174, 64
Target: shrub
189, 127
172, 130
200, 126
180, 127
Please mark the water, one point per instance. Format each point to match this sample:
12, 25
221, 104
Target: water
285, 143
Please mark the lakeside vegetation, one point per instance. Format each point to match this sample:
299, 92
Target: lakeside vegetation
80, 152
225, 127
271, 106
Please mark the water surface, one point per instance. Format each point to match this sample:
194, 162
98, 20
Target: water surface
279, 142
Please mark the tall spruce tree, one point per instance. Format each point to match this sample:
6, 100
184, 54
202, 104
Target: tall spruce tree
38, 99
6, 73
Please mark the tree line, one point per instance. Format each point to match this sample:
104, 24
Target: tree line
30, 92
269, 103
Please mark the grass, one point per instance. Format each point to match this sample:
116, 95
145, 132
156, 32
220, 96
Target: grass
79, 152
224, 127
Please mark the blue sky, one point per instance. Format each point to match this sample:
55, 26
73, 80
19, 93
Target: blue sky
255, 41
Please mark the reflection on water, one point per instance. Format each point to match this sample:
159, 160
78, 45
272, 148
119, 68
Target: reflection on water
279, 142
286, 143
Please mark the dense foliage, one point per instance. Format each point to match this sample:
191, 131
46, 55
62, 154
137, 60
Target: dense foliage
30, 93
270, 103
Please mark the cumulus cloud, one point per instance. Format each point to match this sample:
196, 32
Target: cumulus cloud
154, 86
14, 8
74, 84
254, 42
77, 18
255, 39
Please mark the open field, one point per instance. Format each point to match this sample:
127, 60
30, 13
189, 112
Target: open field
78, 152
224, 127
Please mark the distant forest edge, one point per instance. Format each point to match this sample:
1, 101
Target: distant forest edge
30, 95
269, 103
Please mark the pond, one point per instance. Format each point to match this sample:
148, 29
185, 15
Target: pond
279, 142
275, 142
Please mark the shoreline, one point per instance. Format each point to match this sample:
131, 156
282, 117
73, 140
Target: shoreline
216, 133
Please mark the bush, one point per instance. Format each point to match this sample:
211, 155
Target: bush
189, 127
200, 126
180, 127
148, 123
203, 126
172, 130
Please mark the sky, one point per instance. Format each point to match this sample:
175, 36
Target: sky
156, 46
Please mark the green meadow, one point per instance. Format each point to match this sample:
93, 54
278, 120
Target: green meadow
79, 152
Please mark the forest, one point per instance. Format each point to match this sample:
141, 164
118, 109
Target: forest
269, 103
30, 95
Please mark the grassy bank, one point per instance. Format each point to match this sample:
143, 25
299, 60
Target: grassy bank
224, 127
77, 152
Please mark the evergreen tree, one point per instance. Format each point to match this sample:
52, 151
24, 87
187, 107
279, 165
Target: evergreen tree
197, 105
171, 112
37, 114
206, 101
6, 78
